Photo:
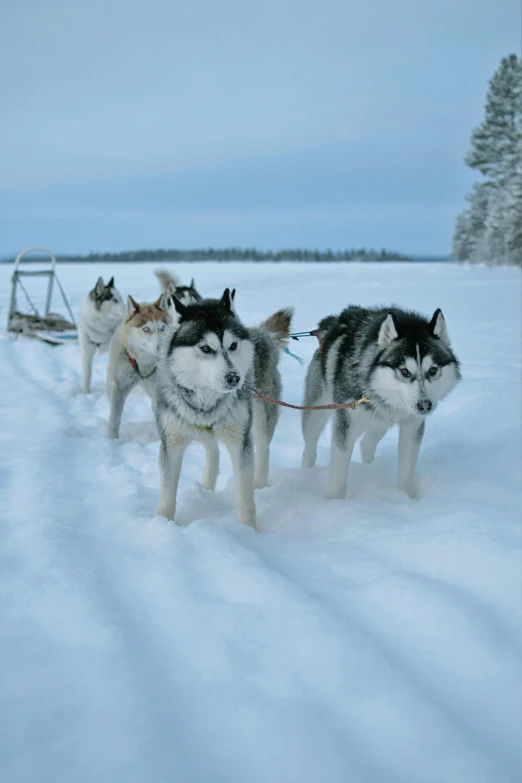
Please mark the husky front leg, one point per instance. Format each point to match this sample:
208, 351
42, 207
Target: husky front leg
313, 422
118, 396
170, 461
211, 464
411, 432
242, 453
343, 441
263, 428
88, 350
312, 425
369, 441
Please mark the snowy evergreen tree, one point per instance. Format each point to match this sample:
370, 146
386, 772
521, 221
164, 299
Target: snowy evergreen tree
514, 217
493, 244
491, 228
462, 237
495, 144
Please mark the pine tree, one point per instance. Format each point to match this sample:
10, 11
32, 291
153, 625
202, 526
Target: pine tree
461, 237
514, 217
491, 228
495, 144
493, 247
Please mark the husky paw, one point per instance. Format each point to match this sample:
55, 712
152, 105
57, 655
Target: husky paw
248, 517
308, 460
335, 493
113, 435
206, 483
260, 482
367, 450
168, 513
411, 490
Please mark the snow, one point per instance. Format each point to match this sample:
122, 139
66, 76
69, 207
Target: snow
374, 640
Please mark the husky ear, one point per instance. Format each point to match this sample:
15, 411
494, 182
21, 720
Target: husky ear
100, 285
225, 299
438, 327
164, 302
232, 294
132, 306
159, 302
179, 306
110, 284
387, 333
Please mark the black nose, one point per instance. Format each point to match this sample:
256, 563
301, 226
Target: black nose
424, 406
232, 378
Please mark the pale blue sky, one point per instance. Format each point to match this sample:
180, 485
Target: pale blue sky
334, 123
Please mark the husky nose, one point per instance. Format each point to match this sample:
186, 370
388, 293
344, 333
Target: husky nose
424, 406
232, 378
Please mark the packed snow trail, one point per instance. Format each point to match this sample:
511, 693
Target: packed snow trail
371, 640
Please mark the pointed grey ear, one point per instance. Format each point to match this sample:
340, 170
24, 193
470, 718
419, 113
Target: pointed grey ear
98, 288
387, 333
164, 302
110, 284
132, 306
225, 299
232, 294
179, 306
438, 327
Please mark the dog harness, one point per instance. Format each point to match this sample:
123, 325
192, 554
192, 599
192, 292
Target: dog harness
134, 363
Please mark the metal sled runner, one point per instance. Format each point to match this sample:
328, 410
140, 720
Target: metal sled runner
50, 327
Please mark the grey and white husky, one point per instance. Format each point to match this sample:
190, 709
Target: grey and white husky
101, 312
401, 361
133, 354
208, 369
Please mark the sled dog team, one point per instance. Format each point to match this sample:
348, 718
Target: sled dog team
201, 367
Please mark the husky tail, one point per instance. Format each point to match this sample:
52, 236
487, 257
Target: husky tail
278, 326
167, 281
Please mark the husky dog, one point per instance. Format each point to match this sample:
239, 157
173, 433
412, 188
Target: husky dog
401, 361
208, 369
101, 313
170, 285
133, 354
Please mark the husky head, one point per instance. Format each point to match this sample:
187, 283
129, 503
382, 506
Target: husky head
171, 286
414, 368
210, 349
187, 294
144, 326
107, 300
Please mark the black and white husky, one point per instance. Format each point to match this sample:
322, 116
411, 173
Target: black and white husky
101, 312
401, 361
209, 366
171, 286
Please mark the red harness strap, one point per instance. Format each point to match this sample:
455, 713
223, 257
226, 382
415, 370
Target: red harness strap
331, 407
317, 334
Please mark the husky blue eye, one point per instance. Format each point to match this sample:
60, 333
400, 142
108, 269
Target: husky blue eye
146, 329
162, 328
206, 348
405, 373
433, 371
233, 346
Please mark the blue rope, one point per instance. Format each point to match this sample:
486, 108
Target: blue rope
294, 356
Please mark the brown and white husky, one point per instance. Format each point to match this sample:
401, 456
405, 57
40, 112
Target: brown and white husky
132, 355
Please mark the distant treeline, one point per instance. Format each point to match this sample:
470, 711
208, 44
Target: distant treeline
238, 254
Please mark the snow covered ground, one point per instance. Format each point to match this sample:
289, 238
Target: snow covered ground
375, 640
